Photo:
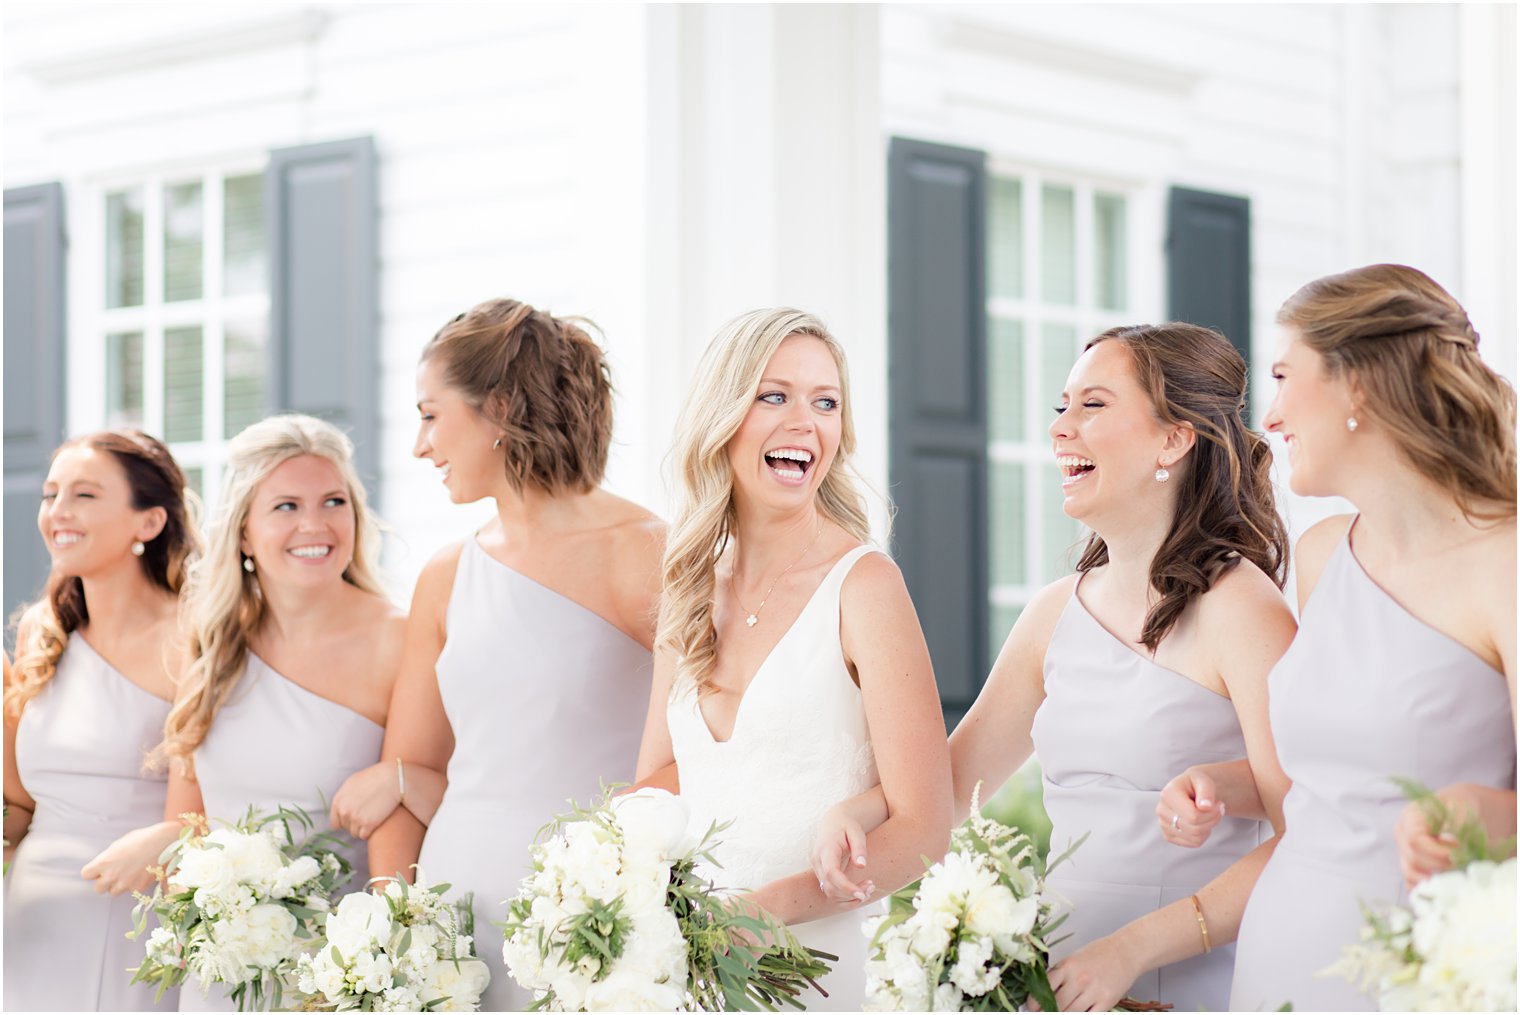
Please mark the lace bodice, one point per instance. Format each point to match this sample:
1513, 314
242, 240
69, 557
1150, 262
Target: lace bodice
800, 744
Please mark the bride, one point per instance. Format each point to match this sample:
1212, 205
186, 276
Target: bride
790, 669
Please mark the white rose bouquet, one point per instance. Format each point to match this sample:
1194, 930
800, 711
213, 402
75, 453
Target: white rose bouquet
1453, 947
403, 949
974, 934
237, 904
615, 917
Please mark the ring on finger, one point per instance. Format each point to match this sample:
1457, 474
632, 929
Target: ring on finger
1175, 826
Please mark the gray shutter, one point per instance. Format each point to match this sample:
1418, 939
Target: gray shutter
34, 391
323, 342
1208, 263
937, 432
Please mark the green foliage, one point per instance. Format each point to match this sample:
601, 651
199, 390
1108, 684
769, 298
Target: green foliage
1471, 837
1019, 804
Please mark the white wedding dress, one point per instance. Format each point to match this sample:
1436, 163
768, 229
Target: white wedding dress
800, 744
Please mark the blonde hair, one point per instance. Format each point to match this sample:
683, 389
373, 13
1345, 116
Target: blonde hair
724, 389
155, 480
223, 605
1410, 347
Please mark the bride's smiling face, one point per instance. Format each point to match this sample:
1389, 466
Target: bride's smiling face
787, 442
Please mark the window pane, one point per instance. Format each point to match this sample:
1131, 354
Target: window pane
1109, 245
1058, 244
1005, 259
244, 235
183, 233
124, 248
183, 394
1058, 349
1005, 516
1000, 623
1005, 379
1061, 531
124, 379
244, 391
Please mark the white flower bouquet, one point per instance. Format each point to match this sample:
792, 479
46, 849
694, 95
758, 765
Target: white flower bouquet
616, 917
1453, 947
402, 949
236, 905
974, 934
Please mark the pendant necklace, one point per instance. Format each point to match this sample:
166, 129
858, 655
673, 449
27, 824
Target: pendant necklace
752, 617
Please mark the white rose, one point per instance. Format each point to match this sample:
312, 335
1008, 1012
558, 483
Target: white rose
462, 984
360, 923
946, 998
203, 868
255, 858
300, 871
654, 824
995, 913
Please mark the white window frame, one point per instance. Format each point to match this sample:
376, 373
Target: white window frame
87, 366
1143, 236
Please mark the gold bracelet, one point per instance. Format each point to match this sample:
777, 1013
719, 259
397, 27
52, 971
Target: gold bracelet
401, 783
1203, 927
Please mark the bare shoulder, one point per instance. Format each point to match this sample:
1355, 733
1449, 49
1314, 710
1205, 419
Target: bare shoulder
1242, 593
437, 577
1313, 551
1492, 561
874, 581
1045, 607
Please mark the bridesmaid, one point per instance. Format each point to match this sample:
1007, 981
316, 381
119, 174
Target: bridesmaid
527, 653
1155, 653
1405, 663
293, 644
791, 672
85, 702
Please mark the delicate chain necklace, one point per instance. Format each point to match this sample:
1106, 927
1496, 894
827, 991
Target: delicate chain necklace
752, 617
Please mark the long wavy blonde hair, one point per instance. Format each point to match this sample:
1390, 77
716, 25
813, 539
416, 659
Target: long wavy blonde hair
222, 603
724, 389
156, 480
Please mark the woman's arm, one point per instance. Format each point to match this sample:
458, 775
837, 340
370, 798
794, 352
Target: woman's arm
1249, 627
19, 804
988, 746
1423, 851
124, 865
884, 645
370, 795
417, 727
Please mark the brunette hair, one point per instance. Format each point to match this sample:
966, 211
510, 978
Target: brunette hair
1410, 348
156, 480
543, 380
1226, 509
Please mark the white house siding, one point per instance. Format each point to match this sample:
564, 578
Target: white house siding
510, 151
661, 168
1340, 123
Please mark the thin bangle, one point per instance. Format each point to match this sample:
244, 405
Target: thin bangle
1203, 926
400, 781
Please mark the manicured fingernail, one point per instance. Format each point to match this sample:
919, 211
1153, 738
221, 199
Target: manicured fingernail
860, 861
860, 896
820, 886
1205, 802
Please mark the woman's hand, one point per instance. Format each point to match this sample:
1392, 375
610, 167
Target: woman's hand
1095, 977
1189, 808
1424, 851
840, 847
366, 799
123, 865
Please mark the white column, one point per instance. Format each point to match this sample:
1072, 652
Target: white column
1489, 221
767, 186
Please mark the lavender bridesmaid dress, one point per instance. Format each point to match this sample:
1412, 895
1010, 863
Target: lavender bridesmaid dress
273, 744
79, 752
547, 702
1114, 728
1365, 692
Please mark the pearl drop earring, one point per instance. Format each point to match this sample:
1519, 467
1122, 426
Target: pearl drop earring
248, 564
1162, 475
138, 549
1351, 424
